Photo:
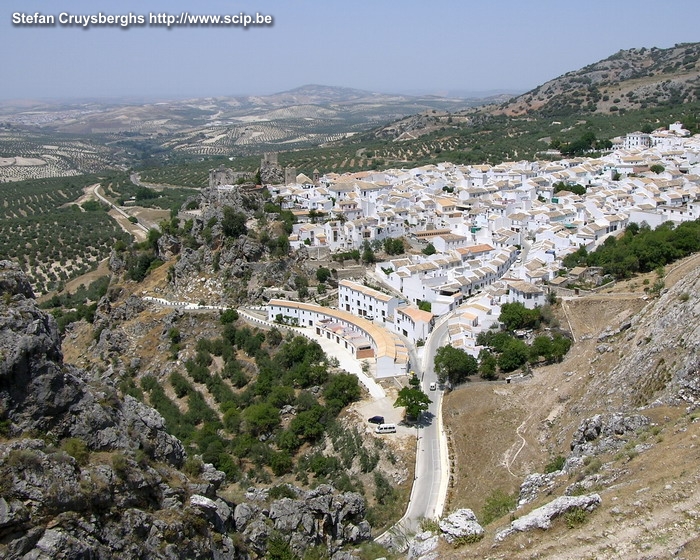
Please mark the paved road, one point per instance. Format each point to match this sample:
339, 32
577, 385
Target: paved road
432, 466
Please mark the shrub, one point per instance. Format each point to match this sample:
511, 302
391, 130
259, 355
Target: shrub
575, 517
193, 466
556, 464
467, 539
431, 525
120, 464
281, 491
383, 493
148, 383
180, 384
77, 449
497, 505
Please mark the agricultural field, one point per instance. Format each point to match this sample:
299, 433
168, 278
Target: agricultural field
119, 189
52, 239
488, 140
26, 155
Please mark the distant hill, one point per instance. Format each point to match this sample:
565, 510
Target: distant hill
167, 130
630, 79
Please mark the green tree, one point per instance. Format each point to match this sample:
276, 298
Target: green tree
341, 390
393, 246
414, 400
368, 254
488, 364
323, 274
454, 365
429, 249
541, 348
516, 316
228, 316
308, 425
261, 418
560, 346
514, 354
233, 224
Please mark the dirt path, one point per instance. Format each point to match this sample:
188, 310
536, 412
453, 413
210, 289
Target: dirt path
678, 270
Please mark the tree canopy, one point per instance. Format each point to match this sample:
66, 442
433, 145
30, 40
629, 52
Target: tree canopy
454, 365
233, 223
516, 316
641, 249
415, 401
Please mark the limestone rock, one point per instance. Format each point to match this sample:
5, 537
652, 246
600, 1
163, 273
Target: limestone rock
13, 281
534, 484
602, 433
541, 518
422, 547
217, 511
116, 263
168, 246
460, 524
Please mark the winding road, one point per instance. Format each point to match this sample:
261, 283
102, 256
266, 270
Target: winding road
429, 489
432, 469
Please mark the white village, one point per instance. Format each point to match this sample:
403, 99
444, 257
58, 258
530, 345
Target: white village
486, 235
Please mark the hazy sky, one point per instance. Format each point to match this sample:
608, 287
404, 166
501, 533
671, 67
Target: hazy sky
380, 45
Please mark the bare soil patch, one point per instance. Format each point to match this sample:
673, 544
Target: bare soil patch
132, 229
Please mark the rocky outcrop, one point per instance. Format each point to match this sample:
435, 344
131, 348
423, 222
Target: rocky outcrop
316, 517
271, 173
13, 281
104, 480
534, 484
423, 546
541, 518
603, 433
116, 262
659, 358
168, 246
462, 524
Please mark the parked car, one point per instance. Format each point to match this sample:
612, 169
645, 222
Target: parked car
385, 429
377, 420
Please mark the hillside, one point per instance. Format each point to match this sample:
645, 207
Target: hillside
621, 409
628, 80
630, 90
41, 139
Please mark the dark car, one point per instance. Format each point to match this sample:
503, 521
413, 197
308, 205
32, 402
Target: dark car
377, 420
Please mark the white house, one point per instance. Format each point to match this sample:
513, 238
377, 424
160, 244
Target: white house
413, 323
529, 295
362, 338
366, 302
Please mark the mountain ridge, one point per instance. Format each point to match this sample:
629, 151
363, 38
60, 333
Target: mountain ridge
629, 79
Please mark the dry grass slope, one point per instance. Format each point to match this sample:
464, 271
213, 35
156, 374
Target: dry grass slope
500, 433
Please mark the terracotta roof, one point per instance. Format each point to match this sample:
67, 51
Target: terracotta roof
388, 344
418, 315
366, 290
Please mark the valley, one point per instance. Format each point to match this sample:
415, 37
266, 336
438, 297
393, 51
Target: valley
204, 302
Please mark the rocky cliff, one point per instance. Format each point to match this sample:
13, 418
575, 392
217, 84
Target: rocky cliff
85, 474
